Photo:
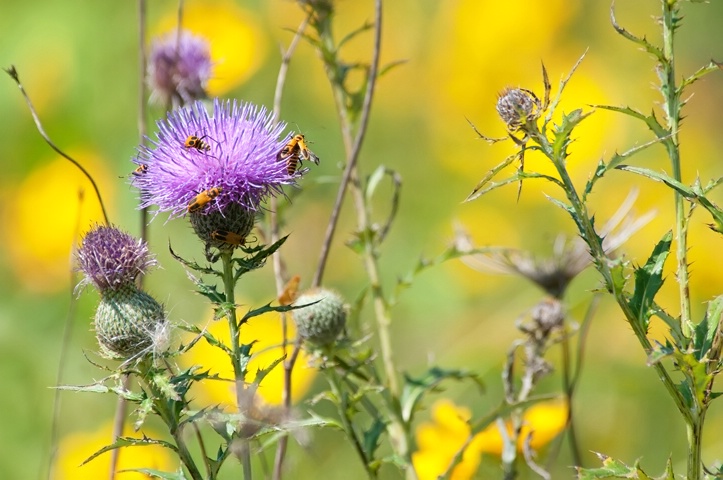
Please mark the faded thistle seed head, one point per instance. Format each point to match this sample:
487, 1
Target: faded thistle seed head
322, 322
129, 323
516, 107
112, 259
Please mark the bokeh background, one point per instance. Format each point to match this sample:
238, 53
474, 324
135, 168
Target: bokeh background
79, 64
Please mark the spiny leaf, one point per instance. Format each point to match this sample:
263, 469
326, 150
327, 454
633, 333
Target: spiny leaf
371, 437
700, 73
192, 265
643, 42
256, 259
151, 472
476, 191
694, 194
648, 280
706, 330
564, 130
650, 120
130, 442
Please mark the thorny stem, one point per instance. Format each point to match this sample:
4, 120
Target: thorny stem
279, 269
236, 360
38, 124
694, 420
672, 112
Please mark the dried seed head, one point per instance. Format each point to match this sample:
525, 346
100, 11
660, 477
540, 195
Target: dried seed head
322, 322
516, 107
547, 315
129, 323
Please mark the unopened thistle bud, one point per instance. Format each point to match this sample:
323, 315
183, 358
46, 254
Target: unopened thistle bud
516, 107
322, 322
128, 321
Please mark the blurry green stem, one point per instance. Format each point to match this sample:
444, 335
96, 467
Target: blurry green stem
694, 429
239, 363
346, 422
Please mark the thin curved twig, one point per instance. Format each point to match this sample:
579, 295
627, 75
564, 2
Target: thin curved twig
38, 124
356, 147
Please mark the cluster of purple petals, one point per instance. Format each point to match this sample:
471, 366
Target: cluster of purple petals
241, 156
111, 258
179, 68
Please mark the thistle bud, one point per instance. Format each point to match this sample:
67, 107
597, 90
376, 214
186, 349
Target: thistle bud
130, 323
322, 322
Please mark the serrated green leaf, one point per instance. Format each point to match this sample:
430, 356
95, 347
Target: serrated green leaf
256, 258
371, 437
659, 352
564, 130
648, 280
706, 330
192, 265
650, 120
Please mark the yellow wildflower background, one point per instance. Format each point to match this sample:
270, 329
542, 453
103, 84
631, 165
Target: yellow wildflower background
81, 70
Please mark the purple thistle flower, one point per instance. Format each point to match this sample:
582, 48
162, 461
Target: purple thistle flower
179, 68
235, 165
112, 259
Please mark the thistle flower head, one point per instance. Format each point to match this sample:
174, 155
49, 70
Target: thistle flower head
179, 68
321, 322
111, 259
516, 107
233, 160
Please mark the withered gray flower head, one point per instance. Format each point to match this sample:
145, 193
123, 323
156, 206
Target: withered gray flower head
570, 256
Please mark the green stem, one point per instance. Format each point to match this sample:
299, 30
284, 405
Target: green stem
587, 231
694, 430
239, 359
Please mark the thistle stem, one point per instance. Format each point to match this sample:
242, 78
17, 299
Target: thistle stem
239, 359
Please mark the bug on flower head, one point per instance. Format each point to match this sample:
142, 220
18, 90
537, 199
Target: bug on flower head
143, 168
295, 151
203, 198
196, 142
232, 238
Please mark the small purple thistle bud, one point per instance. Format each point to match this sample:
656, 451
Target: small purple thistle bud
112, 259
322, 322
179, 68
234, 168
516, 106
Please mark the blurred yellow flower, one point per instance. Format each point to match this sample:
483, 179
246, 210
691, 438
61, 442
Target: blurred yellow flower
237, 45
267, 332
440, 440
75, 448
40, 230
